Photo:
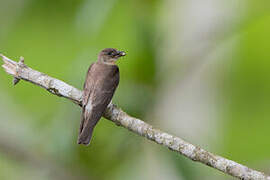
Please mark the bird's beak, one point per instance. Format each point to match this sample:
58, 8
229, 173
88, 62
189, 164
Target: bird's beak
121, 53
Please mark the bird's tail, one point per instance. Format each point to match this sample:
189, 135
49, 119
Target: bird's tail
85, 137
87, 126
86, 131
89, 119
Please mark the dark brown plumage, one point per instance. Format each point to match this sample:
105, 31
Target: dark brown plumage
101, 82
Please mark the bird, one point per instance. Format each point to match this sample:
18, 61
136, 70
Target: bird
101, 81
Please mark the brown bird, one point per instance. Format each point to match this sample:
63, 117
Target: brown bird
101, 82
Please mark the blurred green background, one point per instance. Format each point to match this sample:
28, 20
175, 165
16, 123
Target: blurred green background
196, 69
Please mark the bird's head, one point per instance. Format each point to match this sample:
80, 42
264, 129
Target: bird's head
110, 55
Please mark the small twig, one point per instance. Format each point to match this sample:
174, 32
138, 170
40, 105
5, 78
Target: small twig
119, 117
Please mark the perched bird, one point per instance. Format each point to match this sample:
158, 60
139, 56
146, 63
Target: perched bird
100, 84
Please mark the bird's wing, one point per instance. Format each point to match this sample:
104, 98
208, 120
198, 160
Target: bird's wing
100, 85
87, 87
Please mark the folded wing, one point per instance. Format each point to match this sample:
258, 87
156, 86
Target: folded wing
100, 85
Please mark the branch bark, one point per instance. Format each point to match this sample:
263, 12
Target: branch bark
20, 71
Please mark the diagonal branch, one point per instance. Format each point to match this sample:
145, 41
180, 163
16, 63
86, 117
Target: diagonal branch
113, 113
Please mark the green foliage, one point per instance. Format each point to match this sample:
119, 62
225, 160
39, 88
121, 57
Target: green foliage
62, 38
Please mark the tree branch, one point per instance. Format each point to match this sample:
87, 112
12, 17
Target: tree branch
113, 113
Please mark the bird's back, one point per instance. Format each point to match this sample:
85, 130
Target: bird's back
101, 82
